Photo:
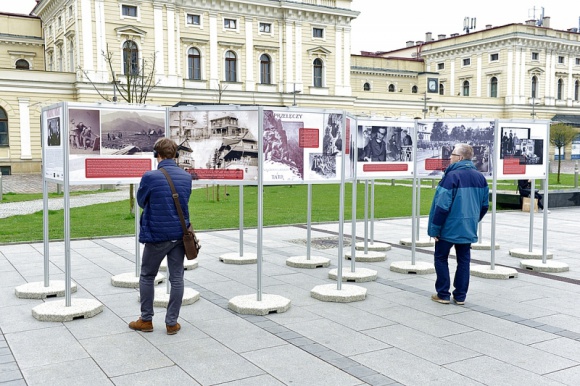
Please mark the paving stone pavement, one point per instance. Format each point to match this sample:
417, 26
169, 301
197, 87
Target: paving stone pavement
520, 331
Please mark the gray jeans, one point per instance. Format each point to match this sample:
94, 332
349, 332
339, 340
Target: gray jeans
153, 254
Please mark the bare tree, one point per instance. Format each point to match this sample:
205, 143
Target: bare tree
561, 135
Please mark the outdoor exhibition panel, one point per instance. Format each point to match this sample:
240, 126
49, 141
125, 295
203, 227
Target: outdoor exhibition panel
385, 148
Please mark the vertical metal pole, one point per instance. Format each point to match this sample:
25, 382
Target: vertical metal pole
494, 193
366, 230
309, 221
532, 207
372, 212
0, 186
413, 222
45, 233
353, 227
545, 223
340, 233
137, 211
260, 200
66, 181
241, 215
417, 230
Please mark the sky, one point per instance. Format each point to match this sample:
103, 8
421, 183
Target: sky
382, 26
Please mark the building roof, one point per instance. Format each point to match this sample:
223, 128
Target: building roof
568, 119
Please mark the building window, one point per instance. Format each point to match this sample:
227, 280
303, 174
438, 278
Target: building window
318, 33
317, 64
576, 90
560, 60
391, 88
535, 56
231, 67
71, 55
534, 87
59, 21
578, 61
22, 64
367, 86
3, 128
70, 11
265, 28
441, 89
441, 66
193, 64
265, 69
129, 10
60, 59
193, 19
230, 23
50, 61
466, 88
414, 90
493, 57
130, 58
560, 89
467, 62
493, 87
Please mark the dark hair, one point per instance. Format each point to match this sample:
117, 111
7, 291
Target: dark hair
166, 148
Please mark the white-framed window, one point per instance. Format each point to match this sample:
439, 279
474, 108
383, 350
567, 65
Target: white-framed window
71, 55
265, 28
230, 23
193, 64
561, 60
193, 19
130, 58
318, 33
576, 90
535, 56
129, 10
494, 57
466, 62
231, 63
60, 57
534, 86
265, 69
578, 61
465, 87
22, 64
60, 22
441, 66
70, 11
50, 61
493, 87
441, 89
560, 92
391, 88
318, 73
367, 86
414, 90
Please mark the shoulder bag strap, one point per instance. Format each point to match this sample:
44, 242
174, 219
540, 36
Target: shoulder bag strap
175, 200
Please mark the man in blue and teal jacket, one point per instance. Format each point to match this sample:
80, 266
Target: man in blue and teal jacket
461, 200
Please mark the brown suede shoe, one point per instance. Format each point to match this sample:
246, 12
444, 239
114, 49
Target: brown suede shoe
141, 325
172, 330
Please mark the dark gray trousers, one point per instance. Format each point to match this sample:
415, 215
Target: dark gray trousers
153, 254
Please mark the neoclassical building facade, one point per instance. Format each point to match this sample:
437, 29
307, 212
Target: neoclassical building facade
266, 52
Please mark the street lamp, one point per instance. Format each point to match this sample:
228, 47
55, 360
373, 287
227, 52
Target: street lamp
425, 99
294, 92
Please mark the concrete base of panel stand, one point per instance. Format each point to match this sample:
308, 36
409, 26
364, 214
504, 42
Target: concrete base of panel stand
161, 298
524, 253
347, 294
360, 275
250, 305
418, 243
486, 272
37, 290
57, 311
360, 246
129, 280
369, 257
419, 268
235, 258
549, 266
483, 246
304, 262
187, 264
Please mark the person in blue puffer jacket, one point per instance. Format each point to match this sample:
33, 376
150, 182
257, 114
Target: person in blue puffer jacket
162, 234
460, 202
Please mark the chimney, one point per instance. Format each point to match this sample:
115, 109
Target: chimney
546, 22
454, 35
410, 43
488, 26
428, 37
419, 42
441, 36
531, 22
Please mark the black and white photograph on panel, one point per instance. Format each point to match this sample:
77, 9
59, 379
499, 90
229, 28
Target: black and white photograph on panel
323, 165
332, 141
216, 144
84, 133
516, 142
283, 156
436, 140
54, 132
126, 132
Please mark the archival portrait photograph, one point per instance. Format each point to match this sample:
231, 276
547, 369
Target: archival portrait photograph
84, 132
53, 132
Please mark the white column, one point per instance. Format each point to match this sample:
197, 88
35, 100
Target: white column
338, 61
347, 89
171, 57
250, 60
509, 77
159, 40
87, 26
281, 81
452, 77
517, 75
570, 83
101, 42
478, 71
549, 79
25, 142
214, 60
289, 76
523, 78
298, 61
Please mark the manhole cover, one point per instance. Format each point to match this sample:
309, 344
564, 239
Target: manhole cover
323, 242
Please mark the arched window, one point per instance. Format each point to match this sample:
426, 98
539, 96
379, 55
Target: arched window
265, 69
317, 71
576, 89
22, 64
534, 86
230, 66
466, 88
414, 89
50, 61
441, 89
493, 87
367, 86
193, 64
391, 88
560, 89
60, 59
3, 128
130, 58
